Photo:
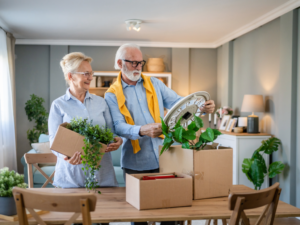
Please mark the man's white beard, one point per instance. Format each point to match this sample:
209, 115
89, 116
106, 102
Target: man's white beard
130, 74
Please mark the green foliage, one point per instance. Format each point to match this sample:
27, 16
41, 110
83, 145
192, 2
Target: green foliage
256, 169
93, 135
187, 137
35, 111
8, 180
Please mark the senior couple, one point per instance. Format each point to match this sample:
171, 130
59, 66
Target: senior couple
132, 109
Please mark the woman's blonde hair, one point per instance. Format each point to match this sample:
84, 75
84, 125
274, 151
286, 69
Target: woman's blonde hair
72, 61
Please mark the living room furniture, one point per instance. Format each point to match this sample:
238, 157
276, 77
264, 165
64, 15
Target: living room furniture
239, 202
243, 145
39, 179
27, 199
110, 75
112, 206
35, 160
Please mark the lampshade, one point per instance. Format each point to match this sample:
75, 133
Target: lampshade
253, 103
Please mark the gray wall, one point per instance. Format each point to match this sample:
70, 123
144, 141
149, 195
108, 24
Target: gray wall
38, 71
264, 61
32, 77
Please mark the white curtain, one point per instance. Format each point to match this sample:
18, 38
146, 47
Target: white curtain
7, 102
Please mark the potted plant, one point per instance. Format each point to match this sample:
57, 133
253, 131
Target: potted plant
255, 168
187, 137
93, 137
36, 111
8, 180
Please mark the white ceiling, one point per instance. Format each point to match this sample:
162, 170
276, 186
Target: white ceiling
181, 22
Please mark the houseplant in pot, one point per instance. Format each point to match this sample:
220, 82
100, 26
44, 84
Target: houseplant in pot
255, 167
94, 135
36, 111
187, 137
8, 180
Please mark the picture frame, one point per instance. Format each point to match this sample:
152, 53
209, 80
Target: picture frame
224, 122
230, 125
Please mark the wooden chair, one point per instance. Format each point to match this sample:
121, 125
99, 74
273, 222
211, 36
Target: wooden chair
77, 203
269, 197
33, 160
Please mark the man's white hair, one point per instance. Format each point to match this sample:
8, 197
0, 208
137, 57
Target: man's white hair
122, 52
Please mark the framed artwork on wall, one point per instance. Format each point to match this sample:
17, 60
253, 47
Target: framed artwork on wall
224, 122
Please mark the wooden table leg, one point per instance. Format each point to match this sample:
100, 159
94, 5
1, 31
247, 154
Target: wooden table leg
189, 222
215, 222
224, 222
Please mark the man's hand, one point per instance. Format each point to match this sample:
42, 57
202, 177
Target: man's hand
114, 146
152, 130
209, 106
75, 159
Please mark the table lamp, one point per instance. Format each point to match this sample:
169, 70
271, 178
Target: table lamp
252, 103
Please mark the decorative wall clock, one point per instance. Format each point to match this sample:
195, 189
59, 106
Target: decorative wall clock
186, 108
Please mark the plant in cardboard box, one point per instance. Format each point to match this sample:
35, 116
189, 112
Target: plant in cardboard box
256, 169
92, 154
8, 180
187, 136
36, 111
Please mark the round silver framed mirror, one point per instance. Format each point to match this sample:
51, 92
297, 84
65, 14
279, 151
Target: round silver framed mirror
186, 108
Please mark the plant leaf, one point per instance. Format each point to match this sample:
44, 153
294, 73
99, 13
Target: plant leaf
216, 133
256, 173
199, 143
178, 123
275, 168
189, 134
192, 125
178, 133
208, 135
164, 127
259, 157
166, 147
167, 140
271, 145
186, 145
246, 168
198, 122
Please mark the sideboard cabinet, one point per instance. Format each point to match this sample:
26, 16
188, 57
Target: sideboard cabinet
243, 145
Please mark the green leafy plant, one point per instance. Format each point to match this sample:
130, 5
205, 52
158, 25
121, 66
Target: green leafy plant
36, 111
8, 180
256, 169
187, 136
92, 153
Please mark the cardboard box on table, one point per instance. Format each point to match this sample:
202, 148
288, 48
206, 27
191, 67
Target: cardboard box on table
210, 168
67, 142
160, 193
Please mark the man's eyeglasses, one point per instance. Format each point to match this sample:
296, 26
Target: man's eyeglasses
135, 63
86, 74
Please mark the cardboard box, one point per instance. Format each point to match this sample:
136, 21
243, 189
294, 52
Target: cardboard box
68, 142
155, 194
211, 168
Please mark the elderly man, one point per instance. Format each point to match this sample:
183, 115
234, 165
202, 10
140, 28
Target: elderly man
136, 103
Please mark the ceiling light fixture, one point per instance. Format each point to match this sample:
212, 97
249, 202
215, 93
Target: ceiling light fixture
133, 24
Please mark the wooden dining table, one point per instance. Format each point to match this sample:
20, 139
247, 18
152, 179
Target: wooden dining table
112, 207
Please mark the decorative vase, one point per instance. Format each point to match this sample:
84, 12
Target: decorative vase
8, 206
155, 65
219, 123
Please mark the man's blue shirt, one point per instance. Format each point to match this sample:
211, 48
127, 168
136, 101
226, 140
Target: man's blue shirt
136, 103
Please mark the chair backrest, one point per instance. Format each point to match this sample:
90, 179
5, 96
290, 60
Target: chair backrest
269, 197
34, 160
56, 202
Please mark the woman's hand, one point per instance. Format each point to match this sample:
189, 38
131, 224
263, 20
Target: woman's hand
209, 106
114, 146
75, 159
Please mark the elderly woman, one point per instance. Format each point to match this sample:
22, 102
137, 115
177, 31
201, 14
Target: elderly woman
78, 102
